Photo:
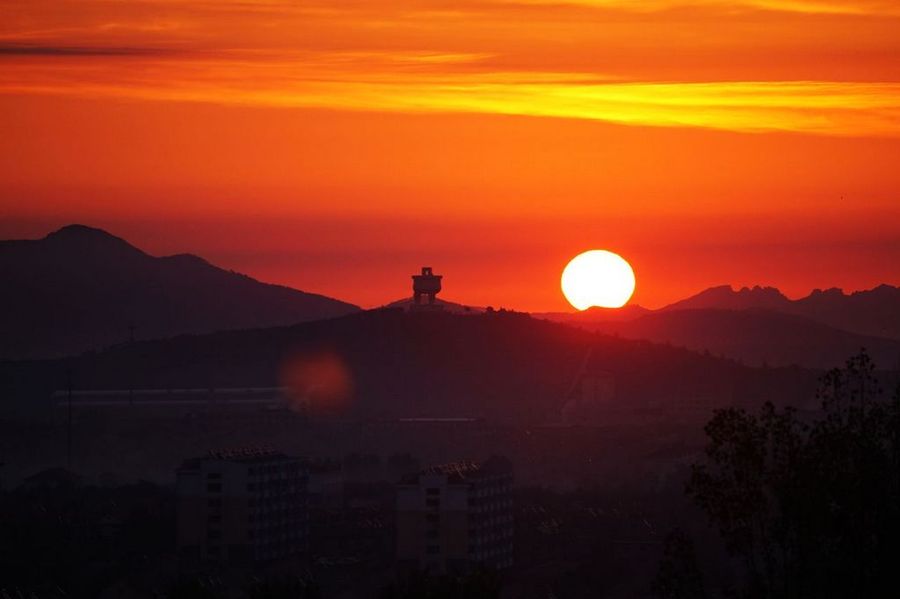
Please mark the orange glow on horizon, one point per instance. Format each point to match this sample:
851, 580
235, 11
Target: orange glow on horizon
714, 141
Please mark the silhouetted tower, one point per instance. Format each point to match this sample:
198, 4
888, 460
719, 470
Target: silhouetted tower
426, 284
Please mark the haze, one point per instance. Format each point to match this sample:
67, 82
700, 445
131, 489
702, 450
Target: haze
333, 148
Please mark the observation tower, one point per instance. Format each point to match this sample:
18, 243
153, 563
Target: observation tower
425, 287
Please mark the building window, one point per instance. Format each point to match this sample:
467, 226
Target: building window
214, 487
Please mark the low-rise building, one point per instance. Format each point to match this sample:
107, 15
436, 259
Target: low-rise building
454, 517
242, 505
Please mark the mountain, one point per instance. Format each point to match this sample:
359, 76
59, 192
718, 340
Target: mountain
760, 325
384, 364
756, 337
595, 315
871, 312
724, 297
452, 307
81, 288
874, 312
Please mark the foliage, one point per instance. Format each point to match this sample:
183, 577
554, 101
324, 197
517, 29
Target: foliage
79, 540
679, 574
811, 508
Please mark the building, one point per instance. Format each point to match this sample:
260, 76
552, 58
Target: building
426, 286
241, 506
454, 517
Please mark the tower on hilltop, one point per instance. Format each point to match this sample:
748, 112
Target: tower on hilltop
425, 287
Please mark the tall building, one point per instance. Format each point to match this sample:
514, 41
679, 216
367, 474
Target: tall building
453, 517
242, 505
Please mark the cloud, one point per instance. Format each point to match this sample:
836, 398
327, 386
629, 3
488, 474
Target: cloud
62, 51
389, 84
849, 7
741, 65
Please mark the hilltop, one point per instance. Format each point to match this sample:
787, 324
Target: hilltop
81, 288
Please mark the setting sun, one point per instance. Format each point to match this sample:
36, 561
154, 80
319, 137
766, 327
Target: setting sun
598, 278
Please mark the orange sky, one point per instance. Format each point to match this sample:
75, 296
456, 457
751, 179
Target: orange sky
337, 147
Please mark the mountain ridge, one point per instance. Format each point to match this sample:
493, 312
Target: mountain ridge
872, 312
760, 325
81, 288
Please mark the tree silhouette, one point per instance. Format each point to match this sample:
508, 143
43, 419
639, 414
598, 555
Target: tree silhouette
679, 575
811, 506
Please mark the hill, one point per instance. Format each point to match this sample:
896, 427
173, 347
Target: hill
388, 364
81, 288
446, 306
874, 312
594, 315
760, 325
725, 297
756, 337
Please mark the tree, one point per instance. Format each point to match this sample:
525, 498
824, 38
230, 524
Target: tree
679, 575
811, 507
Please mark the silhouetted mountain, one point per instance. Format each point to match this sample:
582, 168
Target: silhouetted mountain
873, 312
392, 364
595, 315
724, 297
453, 307
756, 337
81, 288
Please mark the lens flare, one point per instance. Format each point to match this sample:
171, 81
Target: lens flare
317, 382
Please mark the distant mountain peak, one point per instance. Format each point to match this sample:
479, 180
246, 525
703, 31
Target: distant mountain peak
81, 288
728, 298
83, 236
78, 231
830, 292
192, 259
761, 290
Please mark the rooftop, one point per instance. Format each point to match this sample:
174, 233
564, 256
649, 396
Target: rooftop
241, 455
465, 470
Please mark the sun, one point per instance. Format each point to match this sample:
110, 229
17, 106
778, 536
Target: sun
597, 278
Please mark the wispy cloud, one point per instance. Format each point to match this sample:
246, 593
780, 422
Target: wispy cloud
62, 51
851, 7
388, 85
741, 65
